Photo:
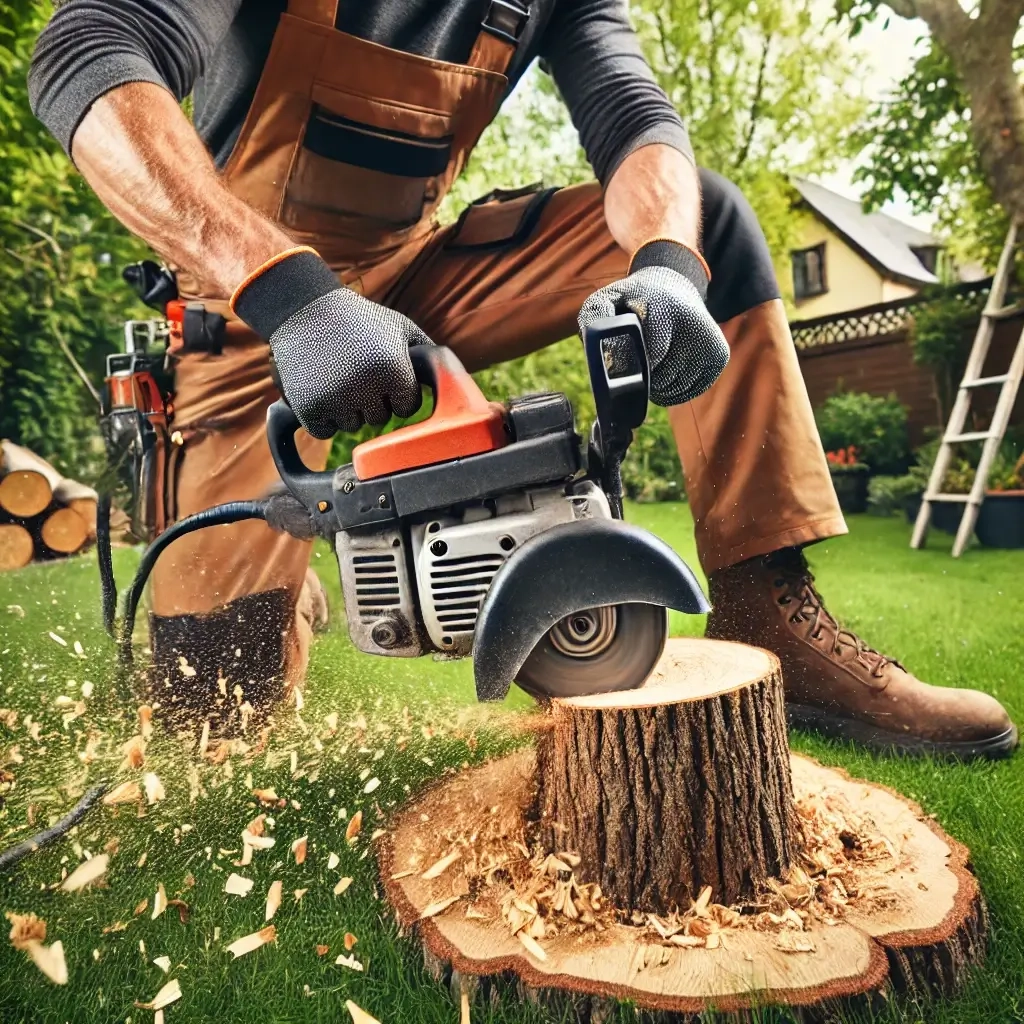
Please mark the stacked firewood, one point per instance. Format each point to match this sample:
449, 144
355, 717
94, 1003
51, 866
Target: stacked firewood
43, 515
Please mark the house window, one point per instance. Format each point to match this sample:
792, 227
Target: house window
809, 272
928, 255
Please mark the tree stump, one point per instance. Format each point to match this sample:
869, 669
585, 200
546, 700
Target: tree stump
684, 783
15, 546
574, 874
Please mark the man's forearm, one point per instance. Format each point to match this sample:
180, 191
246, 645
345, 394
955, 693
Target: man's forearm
149, 167
654, 193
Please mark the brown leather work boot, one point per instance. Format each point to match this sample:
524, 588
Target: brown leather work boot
838, 685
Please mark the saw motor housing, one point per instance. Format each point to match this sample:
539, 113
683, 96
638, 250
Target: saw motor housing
492, 530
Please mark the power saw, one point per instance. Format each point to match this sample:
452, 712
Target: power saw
489, 530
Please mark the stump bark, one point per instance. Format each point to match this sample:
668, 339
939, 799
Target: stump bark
879, 900
682, 784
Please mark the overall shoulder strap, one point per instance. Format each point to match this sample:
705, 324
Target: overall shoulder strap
499, 36
320, 12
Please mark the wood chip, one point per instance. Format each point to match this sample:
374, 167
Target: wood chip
170, 993
350, 941
371, 786
155, 791
134, 752
163, 962
236, 885
299, 893
354, 826
126, 793
50, 960
146, 721
257, 842
268, 797
25, 929
204, 739
247, 943
299, 849
343, 884
531, 945
439, 907
333, 861
160, 902
359, 1016
273, 899
438, 869
86, 873
322, 950
350, 962
141, 907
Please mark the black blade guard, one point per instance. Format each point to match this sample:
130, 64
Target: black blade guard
574, 568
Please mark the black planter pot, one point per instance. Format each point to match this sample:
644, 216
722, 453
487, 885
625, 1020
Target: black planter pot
946, 515
1001, 520
852, 489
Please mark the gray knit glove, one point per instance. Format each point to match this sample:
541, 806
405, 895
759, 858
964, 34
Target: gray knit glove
341, 359
666, 288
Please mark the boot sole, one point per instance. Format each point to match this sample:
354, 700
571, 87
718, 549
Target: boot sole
804, 716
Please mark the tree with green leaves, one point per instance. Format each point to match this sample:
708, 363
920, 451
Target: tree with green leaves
956, 123
61, 296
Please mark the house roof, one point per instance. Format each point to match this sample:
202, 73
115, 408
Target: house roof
882, 240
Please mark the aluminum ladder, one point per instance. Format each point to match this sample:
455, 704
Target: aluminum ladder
995, 310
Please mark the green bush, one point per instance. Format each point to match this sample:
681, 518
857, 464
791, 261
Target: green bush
875, 427
887, 494
60, 285
941, 338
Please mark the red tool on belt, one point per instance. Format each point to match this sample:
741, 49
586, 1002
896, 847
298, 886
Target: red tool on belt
138, 403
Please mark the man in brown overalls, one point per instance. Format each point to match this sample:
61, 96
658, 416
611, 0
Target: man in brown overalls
325, 136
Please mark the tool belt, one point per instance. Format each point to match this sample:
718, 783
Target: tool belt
137, 407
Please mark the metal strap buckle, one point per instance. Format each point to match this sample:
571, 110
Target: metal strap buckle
506, 19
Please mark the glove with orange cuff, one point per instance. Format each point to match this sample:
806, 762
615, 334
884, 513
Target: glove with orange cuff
342, 360
666, 288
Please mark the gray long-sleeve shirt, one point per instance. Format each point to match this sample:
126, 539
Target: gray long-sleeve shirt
216, 49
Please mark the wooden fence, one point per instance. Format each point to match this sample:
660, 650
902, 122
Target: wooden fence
869, 350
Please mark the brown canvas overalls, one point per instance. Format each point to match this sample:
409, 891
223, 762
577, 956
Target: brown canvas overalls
350, 147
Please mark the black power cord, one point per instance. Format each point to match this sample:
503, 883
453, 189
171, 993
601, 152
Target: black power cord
11, 856
219, 515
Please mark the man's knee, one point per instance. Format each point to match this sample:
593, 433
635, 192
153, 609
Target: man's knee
742, 275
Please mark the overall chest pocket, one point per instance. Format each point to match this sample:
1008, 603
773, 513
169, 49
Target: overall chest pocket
366, 158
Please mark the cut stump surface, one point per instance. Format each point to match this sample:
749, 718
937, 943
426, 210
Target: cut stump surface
890, 903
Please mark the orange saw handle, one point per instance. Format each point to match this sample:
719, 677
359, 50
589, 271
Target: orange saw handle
463, 422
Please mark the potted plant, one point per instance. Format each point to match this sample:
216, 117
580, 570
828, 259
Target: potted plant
1001, 518
850, 479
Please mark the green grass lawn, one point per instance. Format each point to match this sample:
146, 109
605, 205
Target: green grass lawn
404, 723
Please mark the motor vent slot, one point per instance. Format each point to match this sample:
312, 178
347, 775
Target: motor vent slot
377, 585
458, 587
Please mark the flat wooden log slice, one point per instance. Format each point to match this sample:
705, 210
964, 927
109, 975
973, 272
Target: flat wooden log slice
877, 897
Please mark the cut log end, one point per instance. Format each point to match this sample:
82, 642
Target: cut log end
15, 546
24, 493
876, 896
64, 531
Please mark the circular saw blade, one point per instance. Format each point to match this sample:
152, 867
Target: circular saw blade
624, 663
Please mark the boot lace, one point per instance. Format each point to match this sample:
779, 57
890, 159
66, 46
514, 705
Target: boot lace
796, 581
